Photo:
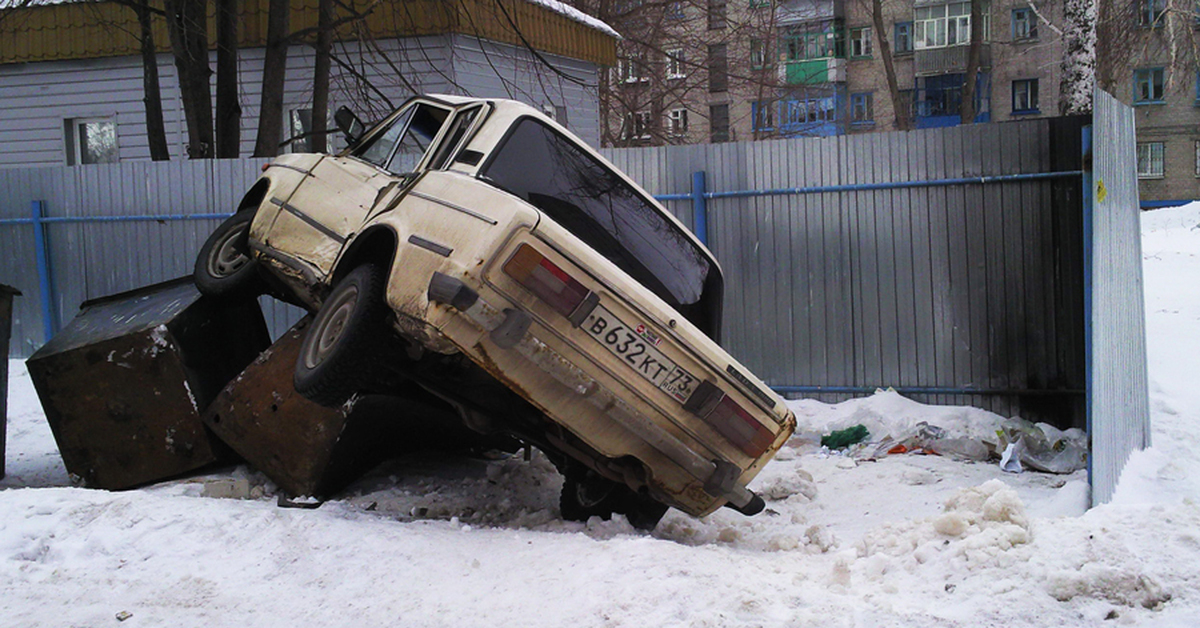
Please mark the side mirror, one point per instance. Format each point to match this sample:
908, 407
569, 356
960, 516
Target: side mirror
349, 123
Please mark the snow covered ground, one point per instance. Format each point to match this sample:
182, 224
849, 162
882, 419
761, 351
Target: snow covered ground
906, 540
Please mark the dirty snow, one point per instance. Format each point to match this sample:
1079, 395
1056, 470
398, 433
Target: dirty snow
905, 540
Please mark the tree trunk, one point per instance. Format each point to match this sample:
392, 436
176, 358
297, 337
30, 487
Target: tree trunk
967, 113
270, 115
1080, 69
320, 110
899, 108
152, 96
229, 112
187, 23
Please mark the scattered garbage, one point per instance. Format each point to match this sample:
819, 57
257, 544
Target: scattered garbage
839, 439
892, 425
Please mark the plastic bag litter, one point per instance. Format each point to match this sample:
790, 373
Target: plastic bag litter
1042, 447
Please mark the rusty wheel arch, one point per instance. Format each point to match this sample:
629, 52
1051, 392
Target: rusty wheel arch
254, 197
377, 245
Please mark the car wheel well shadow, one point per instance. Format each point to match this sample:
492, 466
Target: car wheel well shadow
377, 245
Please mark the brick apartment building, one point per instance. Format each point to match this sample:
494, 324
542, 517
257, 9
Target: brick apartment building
731, 70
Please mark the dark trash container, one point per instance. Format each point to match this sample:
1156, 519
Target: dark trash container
6, 300
124, 384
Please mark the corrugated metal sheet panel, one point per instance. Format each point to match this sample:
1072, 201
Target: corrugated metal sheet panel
1118, 402
953, 287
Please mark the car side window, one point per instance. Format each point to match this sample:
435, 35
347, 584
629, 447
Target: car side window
462, 123
378, 149
422, 129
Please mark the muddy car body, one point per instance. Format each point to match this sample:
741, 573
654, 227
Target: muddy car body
507, 251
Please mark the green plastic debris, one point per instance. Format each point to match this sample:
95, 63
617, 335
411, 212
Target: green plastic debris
838, 439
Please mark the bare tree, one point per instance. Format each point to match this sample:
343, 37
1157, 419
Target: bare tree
321, 68
229, 111
900, 107
270, 112
970, 80
187, 23
156, 133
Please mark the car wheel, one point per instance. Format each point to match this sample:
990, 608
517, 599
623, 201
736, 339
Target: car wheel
341, 347
224, 267
586, 494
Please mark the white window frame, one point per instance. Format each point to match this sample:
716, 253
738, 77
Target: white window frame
1151, 160
1031, 89
630, 70
677, 122
675, 61
944, 25
74, 154
758, 54
860, 42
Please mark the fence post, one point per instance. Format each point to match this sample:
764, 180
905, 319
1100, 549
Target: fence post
1088, 185
699, 207
41, 246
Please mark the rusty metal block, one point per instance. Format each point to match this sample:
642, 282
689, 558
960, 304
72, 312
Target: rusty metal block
124, 384
6, 298
310, 450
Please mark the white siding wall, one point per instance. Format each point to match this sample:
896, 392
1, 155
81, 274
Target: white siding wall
487, 69
38, 97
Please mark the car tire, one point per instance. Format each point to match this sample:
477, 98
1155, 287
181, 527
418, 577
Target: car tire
224, 267
342, 346
586, 494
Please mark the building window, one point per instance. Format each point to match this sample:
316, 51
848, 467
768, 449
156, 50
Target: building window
1198, 158
718, 121
1024, 24
945, 25
763, 115
674, 11
759, 4
1025, 96
675, 59
632, 70
677, 122
860, 42
637, 125
802, 46
903, 39
1150, 160
718, 75
1150, 12
91, 141
299, 127
1148, 86
716, 14
862, 108
758, 54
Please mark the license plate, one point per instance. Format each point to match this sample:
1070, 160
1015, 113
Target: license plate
637, 350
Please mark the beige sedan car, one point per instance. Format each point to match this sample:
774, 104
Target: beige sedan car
481, 250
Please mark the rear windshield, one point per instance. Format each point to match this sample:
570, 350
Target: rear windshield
587, 198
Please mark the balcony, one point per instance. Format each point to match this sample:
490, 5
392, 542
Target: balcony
948, 60
813, 72
791, 12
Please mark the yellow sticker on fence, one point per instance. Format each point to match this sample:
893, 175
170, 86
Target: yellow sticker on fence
1101, 191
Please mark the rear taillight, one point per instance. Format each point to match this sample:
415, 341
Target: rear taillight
729, 419
546, 280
